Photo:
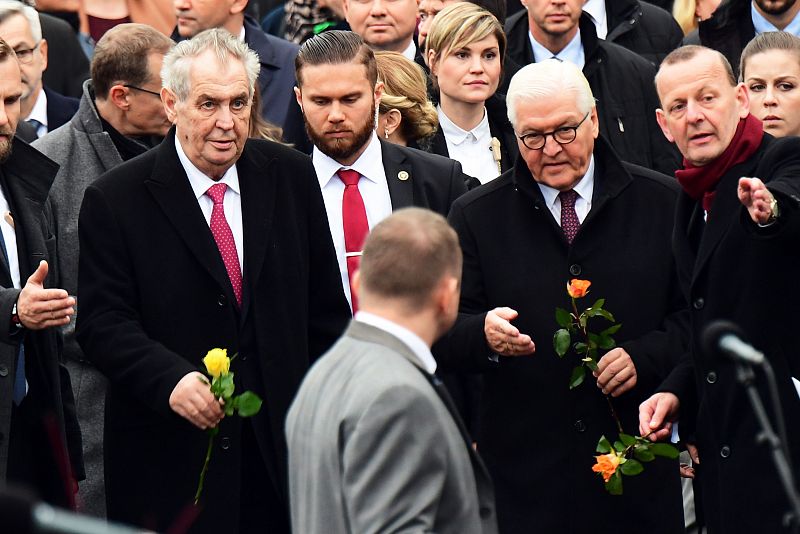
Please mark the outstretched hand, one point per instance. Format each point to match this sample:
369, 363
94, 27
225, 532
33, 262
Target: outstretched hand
39, 308
503, 337
754, 195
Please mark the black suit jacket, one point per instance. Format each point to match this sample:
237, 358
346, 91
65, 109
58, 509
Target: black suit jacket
537, 436
60, 108
155, 297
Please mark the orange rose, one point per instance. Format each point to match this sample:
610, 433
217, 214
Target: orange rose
606, 465
578, 288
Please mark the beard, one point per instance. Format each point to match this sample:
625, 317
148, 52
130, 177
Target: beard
775, 7
5, 146
339, 149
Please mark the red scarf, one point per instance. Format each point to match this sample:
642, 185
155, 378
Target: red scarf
701, 182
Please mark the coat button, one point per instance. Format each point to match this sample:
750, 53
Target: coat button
225, 443
580, 426
711, 377
485, 512
222, 300
725, 451
698, 303
575, 269
3, 370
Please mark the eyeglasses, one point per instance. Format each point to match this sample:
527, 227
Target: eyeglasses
563, 136
25, 55
141, 89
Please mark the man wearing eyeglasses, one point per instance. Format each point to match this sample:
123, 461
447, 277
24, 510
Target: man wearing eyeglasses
568, 209
43, 109
120, 117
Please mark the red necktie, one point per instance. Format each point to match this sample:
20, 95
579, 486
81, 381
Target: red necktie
569, 217
224, 238
354, 222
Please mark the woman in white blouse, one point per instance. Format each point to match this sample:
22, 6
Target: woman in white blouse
464, 50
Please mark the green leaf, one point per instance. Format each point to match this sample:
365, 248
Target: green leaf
582, 319
590, 363
248, 404
603, 446
598, 304
611, 330
619, 446
578, 374
606, 314
631, 467
581, 347
563, 318
561, 342
225, 385
665, 450
229, 409
606, 342
627, 440
643, 453
614, 484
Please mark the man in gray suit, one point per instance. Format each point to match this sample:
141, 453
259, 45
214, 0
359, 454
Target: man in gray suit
375, 444
120, 116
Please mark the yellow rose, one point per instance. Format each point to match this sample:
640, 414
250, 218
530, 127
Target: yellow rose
578, 288
217, 362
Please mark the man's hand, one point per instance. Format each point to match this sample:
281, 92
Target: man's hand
656, 415
503, 337
755, 196
40, 308
615, 373
192, 400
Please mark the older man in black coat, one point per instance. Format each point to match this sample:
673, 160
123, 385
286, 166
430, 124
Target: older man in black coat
732, 256
570, 208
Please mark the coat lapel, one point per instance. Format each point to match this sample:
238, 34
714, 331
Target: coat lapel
170, 188
258, 207
399, 176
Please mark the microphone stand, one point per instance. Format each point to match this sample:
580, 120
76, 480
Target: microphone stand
746, 377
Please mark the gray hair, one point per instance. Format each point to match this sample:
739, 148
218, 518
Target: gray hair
548, 79
175, 71
12, 7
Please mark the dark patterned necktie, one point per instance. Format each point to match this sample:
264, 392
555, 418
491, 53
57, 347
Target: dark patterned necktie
569, 217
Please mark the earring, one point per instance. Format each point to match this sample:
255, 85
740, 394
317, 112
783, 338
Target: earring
386, 133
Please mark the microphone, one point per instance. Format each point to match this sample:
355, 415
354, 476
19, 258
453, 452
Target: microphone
725, 337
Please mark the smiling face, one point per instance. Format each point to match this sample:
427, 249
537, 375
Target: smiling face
555, 165
339, 105
383, 24
772, 79
213, 122
700, 109
470, 74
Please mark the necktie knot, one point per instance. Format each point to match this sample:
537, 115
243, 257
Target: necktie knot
217, 193
348, 176
568, 198
569, 217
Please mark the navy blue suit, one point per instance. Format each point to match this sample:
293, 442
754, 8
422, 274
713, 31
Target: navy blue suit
60, 108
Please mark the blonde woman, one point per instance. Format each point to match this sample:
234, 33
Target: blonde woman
464, 50
405, 115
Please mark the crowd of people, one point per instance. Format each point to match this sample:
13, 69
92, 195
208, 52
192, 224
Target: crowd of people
376, 206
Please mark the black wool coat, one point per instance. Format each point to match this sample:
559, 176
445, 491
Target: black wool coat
537, 437
733, 270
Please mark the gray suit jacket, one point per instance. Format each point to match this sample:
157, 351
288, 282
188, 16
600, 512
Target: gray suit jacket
372, 447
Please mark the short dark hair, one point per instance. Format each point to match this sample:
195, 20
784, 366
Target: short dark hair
335, 47
688, 52
407, 254
764, 42
121, 56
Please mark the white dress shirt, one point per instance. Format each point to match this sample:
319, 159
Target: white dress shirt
584, 188
10, 238
411, 50
473, 149
39, 113
761, 25
374, 190
572, 53
232, 203
596, 9
409, 338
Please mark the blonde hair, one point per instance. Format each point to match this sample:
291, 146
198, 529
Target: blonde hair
405, 89
684, 12
458, 25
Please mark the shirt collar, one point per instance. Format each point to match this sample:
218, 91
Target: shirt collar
411, 50
369, 164
409, 338
39, 111
761, 25
457, 135
597, 10
572, 53
584, 188
199, 181
242, 34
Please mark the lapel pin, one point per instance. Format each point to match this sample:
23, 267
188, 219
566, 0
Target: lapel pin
402, 175
9, 219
